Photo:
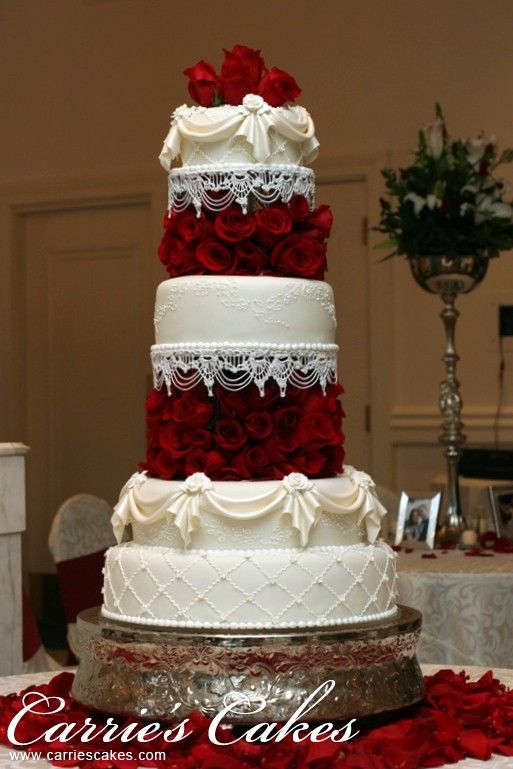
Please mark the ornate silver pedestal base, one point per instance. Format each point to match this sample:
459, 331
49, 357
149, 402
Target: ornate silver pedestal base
128, 669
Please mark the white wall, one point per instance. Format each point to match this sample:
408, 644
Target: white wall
88, 86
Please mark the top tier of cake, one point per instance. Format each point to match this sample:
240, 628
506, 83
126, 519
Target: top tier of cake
246, 134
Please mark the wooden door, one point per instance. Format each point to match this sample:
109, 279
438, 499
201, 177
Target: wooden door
88, 328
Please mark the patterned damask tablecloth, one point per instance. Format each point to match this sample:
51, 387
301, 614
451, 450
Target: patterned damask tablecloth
466, 603
17, 683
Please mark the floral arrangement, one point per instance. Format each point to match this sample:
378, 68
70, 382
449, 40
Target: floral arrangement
448, 202
457, 719
243, 71
284, 239
243, 435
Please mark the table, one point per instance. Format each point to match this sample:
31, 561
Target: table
16, 683
467, 606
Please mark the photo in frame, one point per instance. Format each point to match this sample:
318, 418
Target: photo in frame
501, 503
417, 519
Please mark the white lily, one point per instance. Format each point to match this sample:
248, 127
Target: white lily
476, 148
418, 202
432, 201
434, 133
486, 207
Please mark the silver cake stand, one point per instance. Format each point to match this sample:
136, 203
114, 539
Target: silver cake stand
141, 670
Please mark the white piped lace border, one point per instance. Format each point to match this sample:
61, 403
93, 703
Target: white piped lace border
185, 365
217, 188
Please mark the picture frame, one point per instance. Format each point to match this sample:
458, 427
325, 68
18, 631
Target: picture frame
417, 519
501, 503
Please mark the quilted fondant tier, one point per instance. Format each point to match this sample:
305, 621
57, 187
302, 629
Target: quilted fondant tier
235, 589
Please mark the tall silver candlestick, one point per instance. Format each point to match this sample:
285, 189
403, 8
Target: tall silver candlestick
449, 276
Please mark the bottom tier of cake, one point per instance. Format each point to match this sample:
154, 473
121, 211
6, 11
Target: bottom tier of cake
244, 589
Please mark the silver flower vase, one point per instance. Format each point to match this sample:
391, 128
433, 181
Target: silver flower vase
449, 276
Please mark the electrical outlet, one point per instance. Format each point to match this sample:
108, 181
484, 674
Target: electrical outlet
505, 320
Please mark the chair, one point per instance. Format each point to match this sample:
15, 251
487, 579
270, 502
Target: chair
35, 657
81, 533
390, 500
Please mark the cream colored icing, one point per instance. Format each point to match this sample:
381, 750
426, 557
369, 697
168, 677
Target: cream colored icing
251, 132
195, 504
235, 589
244, 310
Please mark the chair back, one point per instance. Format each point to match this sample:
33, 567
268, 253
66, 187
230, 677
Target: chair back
81, 533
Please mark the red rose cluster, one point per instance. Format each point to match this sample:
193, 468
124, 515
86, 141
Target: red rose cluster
285, 239
243, 71
244, 436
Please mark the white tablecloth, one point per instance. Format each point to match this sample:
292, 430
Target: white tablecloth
467, 606
17, 683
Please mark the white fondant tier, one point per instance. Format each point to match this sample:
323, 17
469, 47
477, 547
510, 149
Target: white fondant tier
222, 515
258, 328
251, 132
235, 589
241, 310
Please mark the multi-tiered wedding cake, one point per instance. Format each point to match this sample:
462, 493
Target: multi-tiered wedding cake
244, 515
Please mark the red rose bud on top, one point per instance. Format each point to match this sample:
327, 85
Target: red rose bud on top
241, 73
278, 87
203, 83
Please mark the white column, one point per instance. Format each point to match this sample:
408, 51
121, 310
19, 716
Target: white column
12, 524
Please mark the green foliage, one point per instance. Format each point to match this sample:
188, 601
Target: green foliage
447, 201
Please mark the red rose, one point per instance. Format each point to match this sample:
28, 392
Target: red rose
241, 73
301, 256
287, 418
232, 225
230, 435
164, 466
208, 462
231, 404
272, 224
334, 456
176, 439
203, 83
250, 259
321, 219
228, 474
316, 429
265, 402
156, 400
278, 87
215, 256
191, 227
190, 410
259, 425
252, 463
298, 208
310, 462
177, 257
282, 444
